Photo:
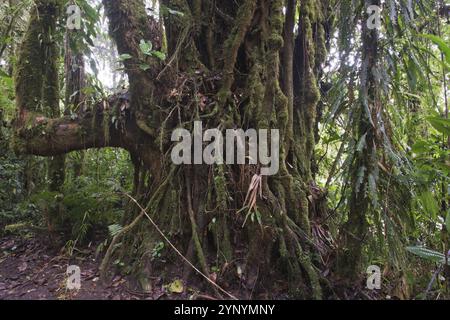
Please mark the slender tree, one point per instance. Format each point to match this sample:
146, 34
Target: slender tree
223, 68
364, 168
74, 68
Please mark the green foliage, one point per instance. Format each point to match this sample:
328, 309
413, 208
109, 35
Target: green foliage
409, 194
147, 49
14, 193
157, 250
447, 221
124, 57
89, 204
443, 46
84, 38
442, 125
93, 200
86, 203
114, 229
167, 11
6, 96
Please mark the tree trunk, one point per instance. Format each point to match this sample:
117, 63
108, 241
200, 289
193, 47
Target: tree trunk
75, 83
223, 69
364, 168
3, 142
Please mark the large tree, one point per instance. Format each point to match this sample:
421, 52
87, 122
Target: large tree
231, 64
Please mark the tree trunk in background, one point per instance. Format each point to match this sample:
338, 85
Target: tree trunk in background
223, 68
364, 168
37, 78
51, 106
3, 142
75, 83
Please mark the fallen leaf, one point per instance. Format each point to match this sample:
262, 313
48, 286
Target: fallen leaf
23, 267
176, 287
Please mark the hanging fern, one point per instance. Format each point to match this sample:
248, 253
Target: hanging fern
114, 229
428, 254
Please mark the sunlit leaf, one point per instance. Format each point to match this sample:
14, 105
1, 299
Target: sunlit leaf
176, 287
160, 55
146, 47
443, 46
124, 57
440, 124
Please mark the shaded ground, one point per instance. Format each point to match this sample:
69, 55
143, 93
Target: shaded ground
31, 269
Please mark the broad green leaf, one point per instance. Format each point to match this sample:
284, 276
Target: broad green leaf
3, 74
114, 229
91, 12
427, 254
176, 287
175, 12
144, 67
160, 55
124, 57
440, 124
443, 46
447, 221
420, 146
146, 47
429, 204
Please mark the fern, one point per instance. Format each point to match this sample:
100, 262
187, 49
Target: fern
114, 229
427, 254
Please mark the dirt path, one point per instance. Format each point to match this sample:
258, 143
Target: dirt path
29, 269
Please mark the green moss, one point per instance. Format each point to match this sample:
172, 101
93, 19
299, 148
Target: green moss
220, 184
277, 19
255, 88
36, 52
106, 125
234, 42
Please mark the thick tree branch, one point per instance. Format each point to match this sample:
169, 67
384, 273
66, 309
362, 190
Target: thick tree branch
42, 136
38, 134
129, 24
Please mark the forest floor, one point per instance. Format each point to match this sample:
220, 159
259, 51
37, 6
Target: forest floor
32, 269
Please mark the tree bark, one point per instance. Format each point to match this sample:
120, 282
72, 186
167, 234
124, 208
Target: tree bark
364, 168
75, 103
224, 69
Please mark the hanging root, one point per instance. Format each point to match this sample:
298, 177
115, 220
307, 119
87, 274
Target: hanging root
105, 262
195, 237
152, 204
292, 252
161, 233
209, 207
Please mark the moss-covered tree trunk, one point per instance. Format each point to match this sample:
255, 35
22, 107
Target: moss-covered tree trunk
38, 83
75, 104
3, 142
51, 91
364, 167
224, 69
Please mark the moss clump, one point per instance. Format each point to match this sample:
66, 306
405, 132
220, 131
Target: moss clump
106, 125
242, 23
